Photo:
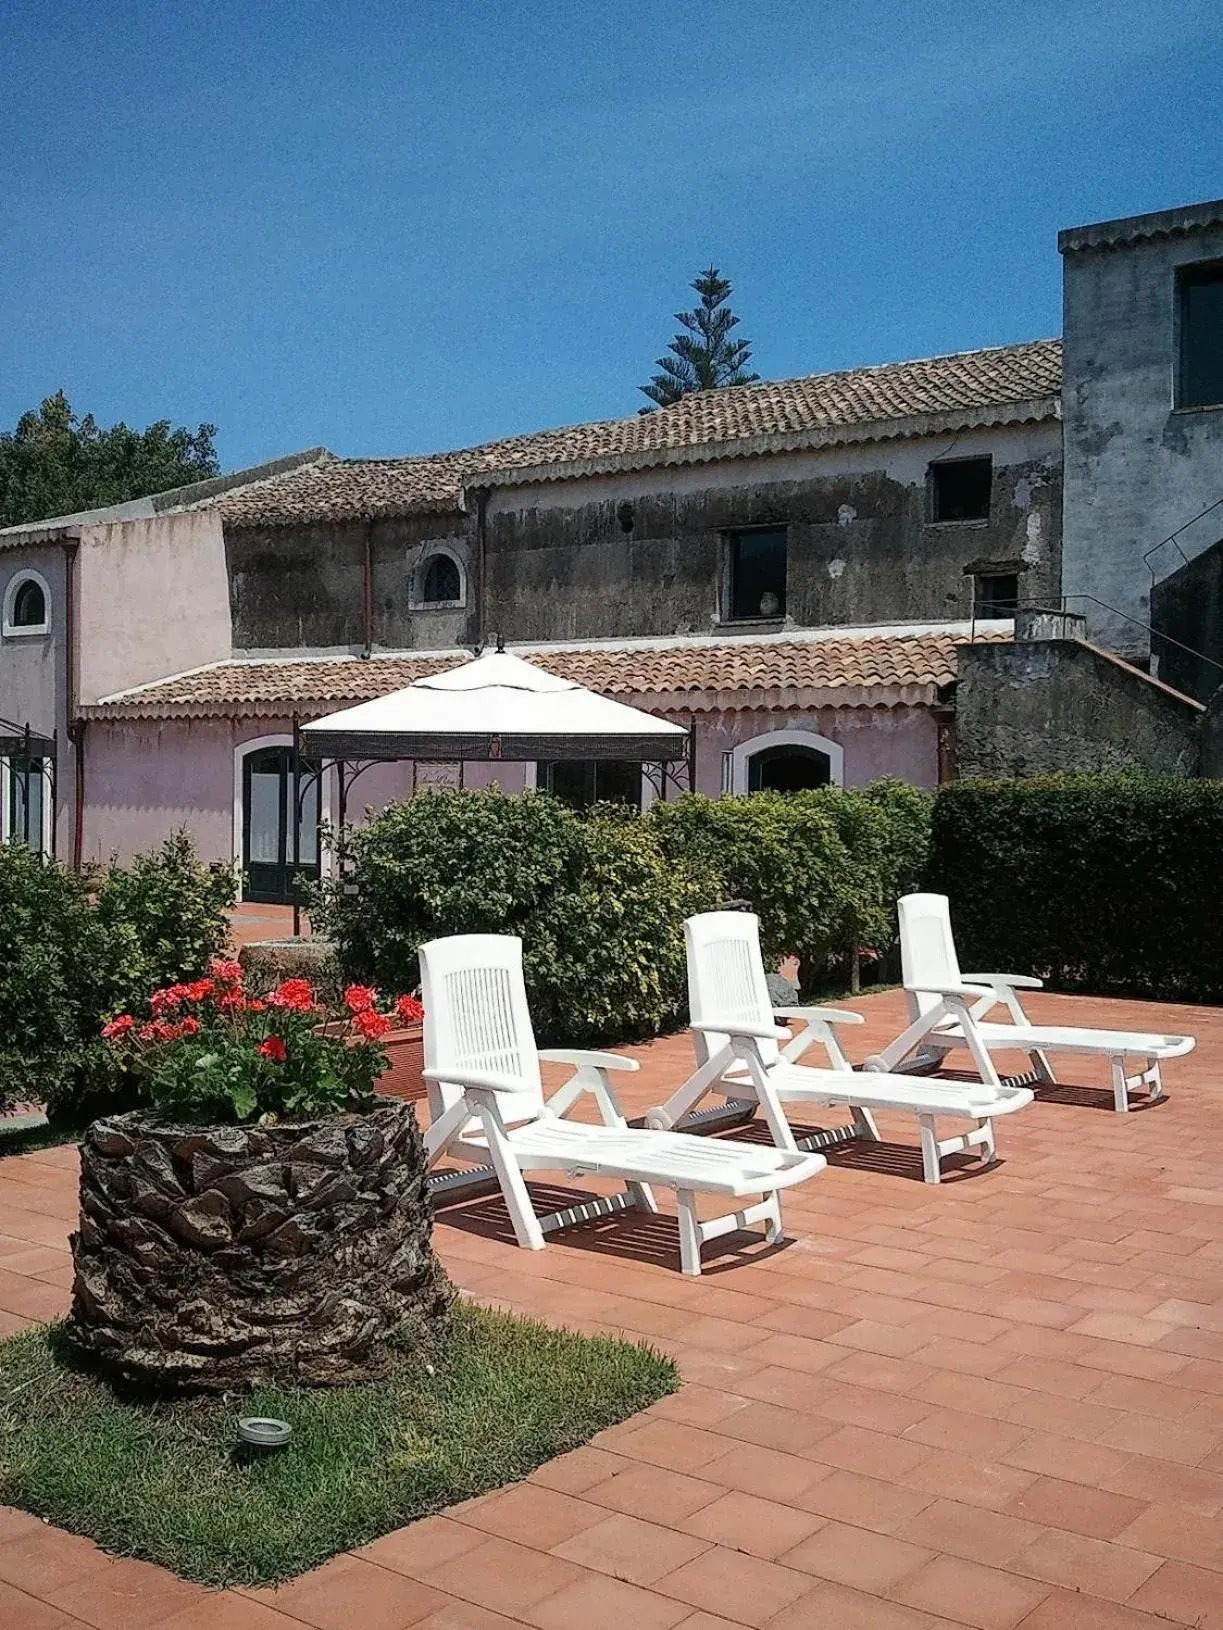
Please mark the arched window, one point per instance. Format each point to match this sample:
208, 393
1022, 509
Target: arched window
786, 761
27, 604
441, 581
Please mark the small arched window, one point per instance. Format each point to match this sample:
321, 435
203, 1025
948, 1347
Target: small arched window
27, 605
441, 582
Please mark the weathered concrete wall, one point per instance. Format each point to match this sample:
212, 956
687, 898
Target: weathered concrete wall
560, 565
861, 549
1136, 467
1050, 705
153, 600
303, 587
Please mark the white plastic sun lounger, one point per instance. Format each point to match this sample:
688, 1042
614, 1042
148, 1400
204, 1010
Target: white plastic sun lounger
737, 1035
487, 1107
947, 1007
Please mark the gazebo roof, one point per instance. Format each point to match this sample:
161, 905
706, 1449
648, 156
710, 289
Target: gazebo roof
495, 707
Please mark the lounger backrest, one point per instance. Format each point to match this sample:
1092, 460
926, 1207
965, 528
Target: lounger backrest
476, 1017
726, 978
927, 950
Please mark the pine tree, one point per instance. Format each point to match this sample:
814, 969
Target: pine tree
704, 358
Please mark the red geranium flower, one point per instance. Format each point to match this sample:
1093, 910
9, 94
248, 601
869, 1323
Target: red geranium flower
147, 1032
274, 1049
189, 1027
295, 994
254, 1007
232, 1001
118, 1027
408, 1010
226, 972
199, 989
373, 1026
360, 998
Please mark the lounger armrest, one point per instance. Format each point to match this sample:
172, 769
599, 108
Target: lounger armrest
1016, 981
830, 1015
741, 1027
580, 1057
487, 1080
970, 993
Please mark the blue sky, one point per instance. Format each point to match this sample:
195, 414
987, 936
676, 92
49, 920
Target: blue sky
396, 227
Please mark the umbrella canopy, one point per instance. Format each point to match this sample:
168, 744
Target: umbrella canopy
495, 707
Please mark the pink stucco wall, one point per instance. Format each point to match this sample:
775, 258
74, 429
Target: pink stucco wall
898, 741
144, 779
153, 600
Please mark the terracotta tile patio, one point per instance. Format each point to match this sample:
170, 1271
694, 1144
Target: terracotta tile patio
998, 1403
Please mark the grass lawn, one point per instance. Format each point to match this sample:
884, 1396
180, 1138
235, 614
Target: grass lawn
164, 1481
22, 1140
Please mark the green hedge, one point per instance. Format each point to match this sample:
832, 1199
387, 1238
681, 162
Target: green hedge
822, 869
1100, 883
597, 902
77, 947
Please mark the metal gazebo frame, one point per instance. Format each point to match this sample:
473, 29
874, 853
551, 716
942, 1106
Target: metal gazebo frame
20, 745
349, 756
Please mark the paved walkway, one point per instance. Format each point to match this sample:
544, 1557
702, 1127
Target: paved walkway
996, 1403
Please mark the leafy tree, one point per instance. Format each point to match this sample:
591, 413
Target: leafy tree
704, 357
55, 463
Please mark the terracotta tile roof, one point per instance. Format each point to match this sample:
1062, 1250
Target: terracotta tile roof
1000, 385
854, 668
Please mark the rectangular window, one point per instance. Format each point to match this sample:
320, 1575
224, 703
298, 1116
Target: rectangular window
757, 574
995, 596
1200, 374
960, 489
593, 781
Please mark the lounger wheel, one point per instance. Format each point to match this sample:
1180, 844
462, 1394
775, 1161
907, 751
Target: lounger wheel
876, 1065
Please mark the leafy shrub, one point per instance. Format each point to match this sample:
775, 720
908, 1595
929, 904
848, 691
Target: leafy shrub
210, 1053
52, 947
166, 917
75, 948
1102, 883
821, 869
597, 902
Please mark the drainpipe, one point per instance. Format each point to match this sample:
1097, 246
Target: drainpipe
76, 725
481, 494
368, 590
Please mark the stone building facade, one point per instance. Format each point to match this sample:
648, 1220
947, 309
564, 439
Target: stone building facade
801, 570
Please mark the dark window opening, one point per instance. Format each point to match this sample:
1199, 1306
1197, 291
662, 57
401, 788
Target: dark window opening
995, 595
788, 769
441, 581
594, 781
960, 489
29, 605
1200, 375
757, 575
